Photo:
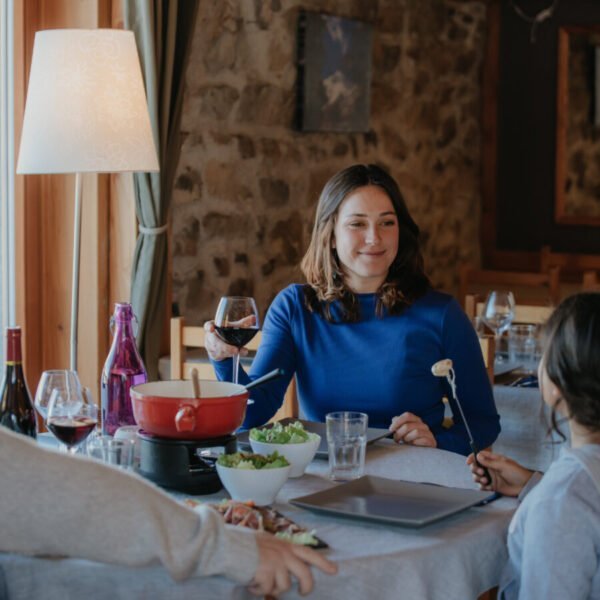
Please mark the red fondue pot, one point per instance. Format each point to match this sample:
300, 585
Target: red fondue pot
169, 409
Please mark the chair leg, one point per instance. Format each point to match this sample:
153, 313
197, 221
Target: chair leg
489, 595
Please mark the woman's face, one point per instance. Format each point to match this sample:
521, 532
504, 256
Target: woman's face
366, 236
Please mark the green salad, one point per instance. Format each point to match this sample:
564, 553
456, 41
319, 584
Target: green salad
246, 460
294, 433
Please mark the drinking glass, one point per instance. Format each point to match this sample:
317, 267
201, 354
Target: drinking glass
65, 381
522, 347
498, 314
347, 442
236, 323
71, 416
117, 452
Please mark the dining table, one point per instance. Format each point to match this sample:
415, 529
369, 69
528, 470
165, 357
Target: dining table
526, 433
458, 557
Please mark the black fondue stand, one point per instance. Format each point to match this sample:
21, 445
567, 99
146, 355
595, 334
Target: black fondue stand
186, 466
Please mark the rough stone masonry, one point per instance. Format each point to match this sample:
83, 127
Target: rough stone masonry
247, 182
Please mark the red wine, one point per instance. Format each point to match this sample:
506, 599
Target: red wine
71, 430
237, 336
16, 409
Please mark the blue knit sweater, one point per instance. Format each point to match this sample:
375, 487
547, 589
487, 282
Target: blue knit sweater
381, 366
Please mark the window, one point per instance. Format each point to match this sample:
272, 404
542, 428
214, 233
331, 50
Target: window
7, 173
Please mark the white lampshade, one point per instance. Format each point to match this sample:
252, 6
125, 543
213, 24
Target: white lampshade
86, 107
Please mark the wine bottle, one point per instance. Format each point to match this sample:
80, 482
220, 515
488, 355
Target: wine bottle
16, 409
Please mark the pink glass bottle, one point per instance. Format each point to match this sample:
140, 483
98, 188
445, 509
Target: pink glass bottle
123, 369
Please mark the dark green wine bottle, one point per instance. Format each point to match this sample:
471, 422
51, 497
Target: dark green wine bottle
16, 409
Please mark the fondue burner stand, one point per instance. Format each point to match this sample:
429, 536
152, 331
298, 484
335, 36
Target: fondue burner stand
186, 466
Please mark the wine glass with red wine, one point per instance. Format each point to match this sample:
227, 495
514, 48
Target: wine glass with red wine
71, 417
236, 323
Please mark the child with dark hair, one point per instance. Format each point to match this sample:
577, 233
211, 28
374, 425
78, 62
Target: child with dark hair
554, 537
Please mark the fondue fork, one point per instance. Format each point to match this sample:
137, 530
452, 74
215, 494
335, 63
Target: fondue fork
443, 368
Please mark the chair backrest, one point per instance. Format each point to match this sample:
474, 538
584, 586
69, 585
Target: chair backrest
193, 336
591, 281
527, 286
572, 266
488, 349
524, 313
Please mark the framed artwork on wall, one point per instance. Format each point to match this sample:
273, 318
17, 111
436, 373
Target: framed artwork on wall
334, 73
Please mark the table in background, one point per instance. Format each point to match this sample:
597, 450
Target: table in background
459, 557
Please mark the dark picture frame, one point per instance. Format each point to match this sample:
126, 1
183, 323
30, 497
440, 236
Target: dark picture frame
334, 73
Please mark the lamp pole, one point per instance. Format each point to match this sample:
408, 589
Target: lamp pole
75, 274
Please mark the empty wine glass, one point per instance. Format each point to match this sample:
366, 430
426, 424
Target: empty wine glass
498, 314
61, 379
71, 416
236, 323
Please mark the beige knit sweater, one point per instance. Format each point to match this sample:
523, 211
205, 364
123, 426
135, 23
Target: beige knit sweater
53, 504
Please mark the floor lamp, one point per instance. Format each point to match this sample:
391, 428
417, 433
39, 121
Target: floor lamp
85, 112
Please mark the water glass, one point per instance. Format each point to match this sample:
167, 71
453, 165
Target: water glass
347, 442
523, 346
119, 453
130, 432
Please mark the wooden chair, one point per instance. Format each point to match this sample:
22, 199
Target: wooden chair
527, 287
488, 349
189, 336
572, 266
524, 313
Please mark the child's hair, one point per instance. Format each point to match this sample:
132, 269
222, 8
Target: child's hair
572, 357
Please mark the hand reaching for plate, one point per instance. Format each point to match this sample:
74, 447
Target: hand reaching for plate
410, 429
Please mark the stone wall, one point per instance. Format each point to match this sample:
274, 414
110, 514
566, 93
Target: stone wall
247, 182
582, 183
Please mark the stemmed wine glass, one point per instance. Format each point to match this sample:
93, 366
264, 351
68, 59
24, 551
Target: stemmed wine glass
236, 323
61, 379
71, 416
498, 314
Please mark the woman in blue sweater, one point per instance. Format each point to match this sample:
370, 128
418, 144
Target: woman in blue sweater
364, 331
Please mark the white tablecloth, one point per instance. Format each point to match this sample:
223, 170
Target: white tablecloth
457, 558
525, 422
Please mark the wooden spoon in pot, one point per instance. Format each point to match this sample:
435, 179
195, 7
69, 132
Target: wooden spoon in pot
195, 383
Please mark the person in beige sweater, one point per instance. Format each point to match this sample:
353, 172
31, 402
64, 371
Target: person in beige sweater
54, 504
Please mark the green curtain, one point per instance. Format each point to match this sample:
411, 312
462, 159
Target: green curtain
163, 32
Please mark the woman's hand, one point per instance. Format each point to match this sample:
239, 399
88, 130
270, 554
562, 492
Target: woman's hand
508, 476
410, 429
279, 561
218, 349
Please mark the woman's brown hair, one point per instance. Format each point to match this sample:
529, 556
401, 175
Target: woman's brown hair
406, 280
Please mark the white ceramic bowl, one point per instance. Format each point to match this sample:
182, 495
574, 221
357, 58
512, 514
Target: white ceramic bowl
259, 485
298, 455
